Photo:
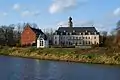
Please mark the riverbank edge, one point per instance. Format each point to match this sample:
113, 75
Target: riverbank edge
62, 54
61, 60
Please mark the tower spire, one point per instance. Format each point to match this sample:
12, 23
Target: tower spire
70, 23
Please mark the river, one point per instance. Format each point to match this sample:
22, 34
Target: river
12, 68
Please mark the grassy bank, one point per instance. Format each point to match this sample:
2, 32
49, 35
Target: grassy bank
98, 55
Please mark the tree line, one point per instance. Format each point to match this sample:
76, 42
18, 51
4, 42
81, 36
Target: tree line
112, 40
10, 35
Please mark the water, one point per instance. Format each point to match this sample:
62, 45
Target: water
28, 69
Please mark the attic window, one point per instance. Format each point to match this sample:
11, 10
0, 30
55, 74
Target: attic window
89, 33
95, 33
66, 33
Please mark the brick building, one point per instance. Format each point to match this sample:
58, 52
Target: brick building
30, 35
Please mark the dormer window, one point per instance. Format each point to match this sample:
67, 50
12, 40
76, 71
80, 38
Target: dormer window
64, 31
95, 33
80, 33
89, 33
70, 33
61, 33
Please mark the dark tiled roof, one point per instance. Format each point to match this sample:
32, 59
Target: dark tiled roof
38, 32
76, 30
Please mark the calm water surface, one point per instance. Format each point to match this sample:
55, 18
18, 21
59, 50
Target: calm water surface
28, 69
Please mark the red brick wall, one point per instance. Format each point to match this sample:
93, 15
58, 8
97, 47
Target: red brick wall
28, 36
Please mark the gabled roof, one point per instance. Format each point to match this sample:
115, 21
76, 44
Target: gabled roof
37, 32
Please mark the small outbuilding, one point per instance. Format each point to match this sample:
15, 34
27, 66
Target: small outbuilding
42, 41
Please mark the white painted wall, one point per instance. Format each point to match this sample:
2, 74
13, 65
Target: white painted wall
56, 39
81, 38
45, 43
38, 43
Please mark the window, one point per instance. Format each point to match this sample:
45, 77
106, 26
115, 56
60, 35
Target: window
89, 33
95, 33
94, 37
79, 37
89, 37
41, 43
76, 37
69, 43
79, 42
55, 42
86, 37
76, 43
86, 42
89, 42
83, 42
81, 33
